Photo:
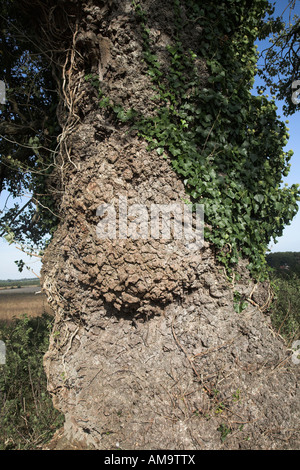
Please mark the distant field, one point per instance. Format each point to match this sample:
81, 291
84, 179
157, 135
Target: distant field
17, 283
15, 302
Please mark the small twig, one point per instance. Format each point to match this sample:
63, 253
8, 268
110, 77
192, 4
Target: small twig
29, 254
182, 348
211, 129
204, 353
189, 359
35, 274
234, 413
16, 215
285, 316
32, 389
69, 347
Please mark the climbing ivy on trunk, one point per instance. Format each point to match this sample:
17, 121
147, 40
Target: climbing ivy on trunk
225, 143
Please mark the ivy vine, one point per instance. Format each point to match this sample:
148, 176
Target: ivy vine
225, 143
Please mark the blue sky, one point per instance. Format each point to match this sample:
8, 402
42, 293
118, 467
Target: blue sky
9, 270
290, 240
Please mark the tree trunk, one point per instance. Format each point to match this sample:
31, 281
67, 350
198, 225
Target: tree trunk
147, 351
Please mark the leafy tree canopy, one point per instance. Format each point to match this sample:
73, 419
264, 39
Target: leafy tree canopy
28, 130
280, 68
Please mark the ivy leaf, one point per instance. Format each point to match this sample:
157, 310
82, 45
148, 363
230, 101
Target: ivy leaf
259, 198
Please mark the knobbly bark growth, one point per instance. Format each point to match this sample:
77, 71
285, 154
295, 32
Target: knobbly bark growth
148, 350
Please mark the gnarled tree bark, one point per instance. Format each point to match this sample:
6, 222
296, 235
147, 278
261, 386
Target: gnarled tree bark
147, 351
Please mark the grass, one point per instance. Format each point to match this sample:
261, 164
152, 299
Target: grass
15, 303
286, 306
27, 416
285, 309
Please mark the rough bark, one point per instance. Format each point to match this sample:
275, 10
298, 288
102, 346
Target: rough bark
147, 351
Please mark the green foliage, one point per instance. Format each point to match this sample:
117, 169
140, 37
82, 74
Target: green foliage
27, 416
224, 430
282, 58
28, 130
239, 302
285, 264
226, 144
285, 310
20, 282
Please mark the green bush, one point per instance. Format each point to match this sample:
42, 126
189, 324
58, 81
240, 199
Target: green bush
286, 306
284, 263
27, 416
